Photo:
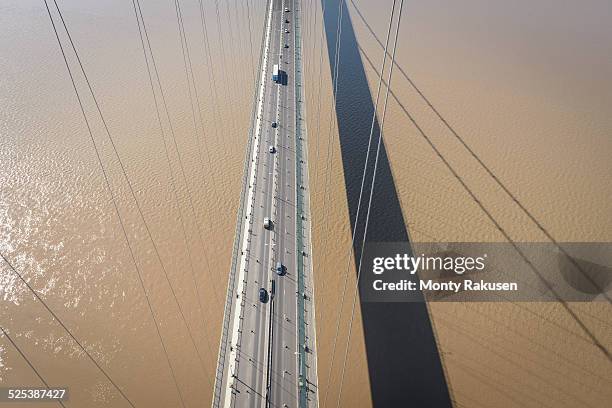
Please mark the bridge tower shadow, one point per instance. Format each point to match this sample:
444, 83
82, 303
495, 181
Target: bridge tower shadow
403, 360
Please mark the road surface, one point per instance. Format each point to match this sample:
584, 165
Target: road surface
267, 354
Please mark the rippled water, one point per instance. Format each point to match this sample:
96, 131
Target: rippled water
525, 84
58, 226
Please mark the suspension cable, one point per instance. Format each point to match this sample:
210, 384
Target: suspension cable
363, 178
27, 360
173, 185
365, 232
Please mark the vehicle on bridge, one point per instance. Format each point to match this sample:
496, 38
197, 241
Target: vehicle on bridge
263, 295
272, 149
274, 124
275, 73
286, 9
280, 269
267, 223
286, 45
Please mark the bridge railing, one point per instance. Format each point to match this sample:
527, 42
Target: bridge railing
300, 212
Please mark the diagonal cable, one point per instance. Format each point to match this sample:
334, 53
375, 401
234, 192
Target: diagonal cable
27, 360
363, 178
367, 220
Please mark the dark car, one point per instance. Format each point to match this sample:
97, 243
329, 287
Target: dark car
274, 124
263, 295
280, 269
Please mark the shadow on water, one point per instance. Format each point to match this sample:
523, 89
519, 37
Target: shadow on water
403, 360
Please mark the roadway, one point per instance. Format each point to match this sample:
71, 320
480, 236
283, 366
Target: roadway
264, 365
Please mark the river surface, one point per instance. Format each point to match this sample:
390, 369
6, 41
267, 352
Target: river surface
526, 85
58, 225
521, 88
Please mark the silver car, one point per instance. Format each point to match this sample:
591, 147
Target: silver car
267, 223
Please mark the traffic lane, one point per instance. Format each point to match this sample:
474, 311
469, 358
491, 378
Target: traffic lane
285, 380
279, 366
278, 338
279, 349
265, 180
260, 326
276, 302
253, 316
254, 321
249, 355
258, 249
285, 332
267, 176
265, 270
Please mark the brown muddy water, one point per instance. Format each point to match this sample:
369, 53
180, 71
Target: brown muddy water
526, 85
58, 226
